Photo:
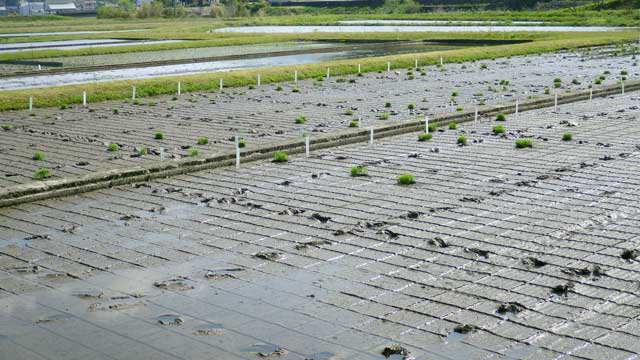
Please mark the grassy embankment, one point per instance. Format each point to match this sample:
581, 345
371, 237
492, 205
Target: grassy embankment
121, 90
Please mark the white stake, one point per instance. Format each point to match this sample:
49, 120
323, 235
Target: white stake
295, 76
258, 79
426, 124
237, 152
555, 104
179, 87
30, 103
39, 67
133, 93
441, 61
220, 84
161, 154
359, 69
84, 98
388, 65
416, 63
475, 119
306, 145
371, 136
328, 73
591, 93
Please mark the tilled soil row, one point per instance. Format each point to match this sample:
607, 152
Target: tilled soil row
24, 193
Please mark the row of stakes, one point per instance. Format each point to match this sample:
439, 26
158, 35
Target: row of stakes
307, 139
221, 84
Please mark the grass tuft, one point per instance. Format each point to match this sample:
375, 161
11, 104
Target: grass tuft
42, 174
498, 129
524, 143
158, 136
38, 156
359, 171
280, 157
406, 179
203, 141
425, 136
567, 136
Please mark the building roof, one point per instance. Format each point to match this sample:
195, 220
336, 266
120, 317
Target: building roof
66, 6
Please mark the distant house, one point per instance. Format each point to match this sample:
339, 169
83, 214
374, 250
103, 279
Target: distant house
31, 8
3, 10
60, 6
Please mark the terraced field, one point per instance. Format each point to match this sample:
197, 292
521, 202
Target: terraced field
74, 140
495, 252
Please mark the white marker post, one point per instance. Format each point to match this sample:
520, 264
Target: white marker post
39, 67
416, 63
221, 84
555, 103
359, 69
84, 98
258, 82
371, 136
441, 61
179, 87
426, 124
237, 152
161, 154
591, 93
328, 72
306, 146
295, 76
133, 93
30, 103
388, 66
475, 118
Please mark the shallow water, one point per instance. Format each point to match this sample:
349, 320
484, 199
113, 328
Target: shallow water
26, 34
75, 44
434, 22
224, 65
293, 29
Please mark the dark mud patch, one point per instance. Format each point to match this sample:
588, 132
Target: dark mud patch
395, 349
629, 254
268, 255
222, 274
510, 308
266, 350
464, 328
170, 320
53, 319
312, 243
563, 289
320, 218
532, 262
175, 284
439, 242
594, 271
89, 294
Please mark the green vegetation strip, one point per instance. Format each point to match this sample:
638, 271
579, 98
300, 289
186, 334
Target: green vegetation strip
121, 90
47, 189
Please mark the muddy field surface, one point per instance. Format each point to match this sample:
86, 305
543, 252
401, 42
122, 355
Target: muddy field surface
74, 140
495, 252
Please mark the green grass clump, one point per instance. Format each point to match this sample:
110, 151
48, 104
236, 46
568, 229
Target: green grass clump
242, 143
387, 104
453, 126
300, 120
359, 171
411, 106
280, 157
7, 127
348, 112
567, 136
524, 143
384, 116
158, 136
113, 147
498, 129
194, 152
432, 128
462, 140
115, 111
459, 108
203, 141
141, 150
406, 179
38, 156
353, 123
454, 94
279, 88
425, 136
501, 117
42, 174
